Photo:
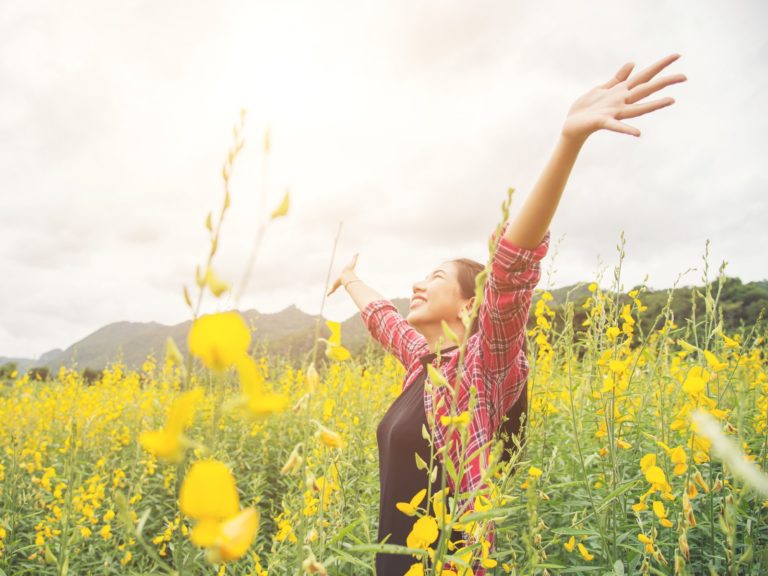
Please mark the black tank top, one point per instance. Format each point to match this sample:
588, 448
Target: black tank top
399, 436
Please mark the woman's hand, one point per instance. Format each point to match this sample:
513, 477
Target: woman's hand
347, 273
605, 105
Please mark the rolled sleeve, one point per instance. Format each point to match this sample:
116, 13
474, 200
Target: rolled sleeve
503, 315
388, 327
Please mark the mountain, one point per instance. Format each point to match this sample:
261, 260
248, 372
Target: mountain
289, 333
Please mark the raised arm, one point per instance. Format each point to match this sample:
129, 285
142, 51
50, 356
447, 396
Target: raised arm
515, 270
382, 319
603, 107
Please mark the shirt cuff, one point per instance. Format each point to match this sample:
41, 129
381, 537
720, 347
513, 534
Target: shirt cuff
510, 257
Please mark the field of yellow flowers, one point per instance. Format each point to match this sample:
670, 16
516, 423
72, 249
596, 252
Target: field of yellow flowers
644, 454
147, 472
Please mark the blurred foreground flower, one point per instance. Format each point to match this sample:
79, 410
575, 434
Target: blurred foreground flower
219, 340
257, 399
209, 495
333, 348
169, 442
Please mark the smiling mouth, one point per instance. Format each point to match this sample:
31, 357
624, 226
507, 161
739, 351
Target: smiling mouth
417, 300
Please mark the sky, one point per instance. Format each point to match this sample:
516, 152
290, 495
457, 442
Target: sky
404, 123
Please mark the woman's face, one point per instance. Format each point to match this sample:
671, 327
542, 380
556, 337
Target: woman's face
437, 297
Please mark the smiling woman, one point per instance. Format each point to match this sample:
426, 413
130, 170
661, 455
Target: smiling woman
495, 371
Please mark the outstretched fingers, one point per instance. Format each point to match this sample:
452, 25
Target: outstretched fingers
616, 126
620, 76
652, 70
639, 109
643, 90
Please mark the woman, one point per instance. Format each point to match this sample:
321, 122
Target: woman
495, 362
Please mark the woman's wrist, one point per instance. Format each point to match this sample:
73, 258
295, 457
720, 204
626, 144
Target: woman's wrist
348, 279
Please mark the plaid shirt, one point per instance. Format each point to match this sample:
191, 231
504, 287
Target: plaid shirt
495, 360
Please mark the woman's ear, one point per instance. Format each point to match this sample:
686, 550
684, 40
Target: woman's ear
465, 309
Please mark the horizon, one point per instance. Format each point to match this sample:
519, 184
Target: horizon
117, 118
165, 324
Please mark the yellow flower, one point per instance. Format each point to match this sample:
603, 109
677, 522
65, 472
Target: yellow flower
106, 531
657, 478
460, 420
678, 457
313, 378
647, 541
409, 508
647, 461
713, 362
214, 283
219, 340
570, 544
415, 570
423, 534
582, 549
169, 442
328, 437
333, 349
257, 399
534, 472
612, 333
661, 512
337, 353
209, 495
696, 381
293, 462
729, 342
592, 287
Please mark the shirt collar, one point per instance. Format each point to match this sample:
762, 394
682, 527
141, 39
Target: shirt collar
428, 358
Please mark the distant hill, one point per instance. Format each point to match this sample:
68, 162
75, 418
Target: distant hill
290, 333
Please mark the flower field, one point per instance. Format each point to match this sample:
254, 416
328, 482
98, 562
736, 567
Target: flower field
240, 467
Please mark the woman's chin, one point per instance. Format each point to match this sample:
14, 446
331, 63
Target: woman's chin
413, 318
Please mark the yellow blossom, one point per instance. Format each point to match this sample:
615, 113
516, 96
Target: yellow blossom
713, 362
696, 381
647, 541
583, 551
570, 544
461, 420
329, 437
219, 340
169, 442
534, 472
423, 533
679, 458
410, 508
334, 350
209, 495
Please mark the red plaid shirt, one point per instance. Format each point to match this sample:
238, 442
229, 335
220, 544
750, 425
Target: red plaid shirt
495, 361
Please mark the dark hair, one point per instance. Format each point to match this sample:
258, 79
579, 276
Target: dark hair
467, 271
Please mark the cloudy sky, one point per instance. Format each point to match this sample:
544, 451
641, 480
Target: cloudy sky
407, 121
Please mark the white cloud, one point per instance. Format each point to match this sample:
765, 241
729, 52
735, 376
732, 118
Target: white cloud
408, 122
